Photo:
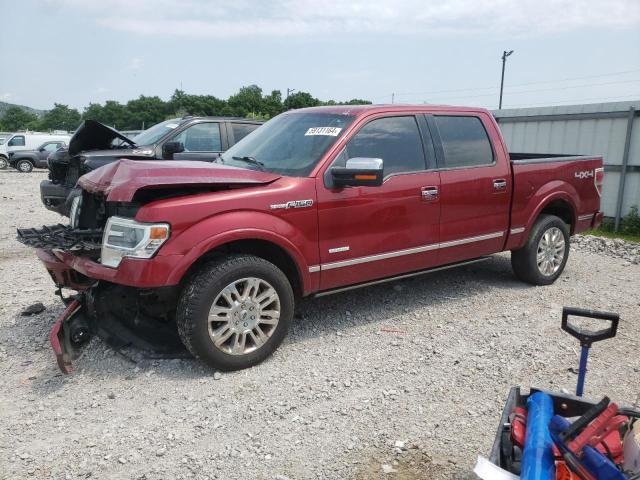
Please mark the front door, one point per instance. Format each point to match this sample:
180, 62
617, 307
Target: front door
46, 150
202, 141
368, 233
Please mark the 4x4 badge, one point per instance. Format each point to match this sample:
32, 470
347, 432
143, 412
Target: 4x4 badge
584, 174
292, 204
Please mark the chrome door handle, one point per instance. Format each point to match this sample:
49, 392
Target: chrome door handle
429, 193
499, 184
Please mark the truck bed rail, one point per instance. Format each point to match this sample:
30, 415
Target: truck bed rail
522, 158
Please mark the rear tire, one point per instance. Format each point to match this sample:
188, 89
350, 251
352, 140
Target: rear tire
4, 163
543, 258
235, 311
24, 166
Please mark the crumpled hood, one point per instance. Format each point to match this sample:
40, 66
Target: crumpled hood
120, 180
92, 135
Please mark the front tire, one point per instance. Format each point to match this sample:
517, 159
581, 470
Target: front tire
24, 166
542, 260
235, 311
3, 163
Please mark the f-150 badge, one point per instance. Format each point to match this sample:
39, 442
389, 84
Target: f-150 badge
292, 204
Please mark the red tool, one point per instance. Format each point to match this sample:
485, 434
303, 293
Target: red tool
603, 433
518, 420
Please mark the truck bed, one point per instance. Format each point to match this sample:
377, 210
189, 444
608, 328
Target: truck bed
537, 177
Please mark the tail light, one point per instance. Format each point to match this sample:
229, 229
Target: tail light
598, 179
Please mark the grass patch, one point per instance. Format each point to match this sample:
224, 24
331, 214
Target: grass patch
602, 233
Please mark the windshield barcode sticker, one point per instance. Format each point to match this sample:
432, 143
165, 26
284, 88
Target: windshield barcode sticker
330, 131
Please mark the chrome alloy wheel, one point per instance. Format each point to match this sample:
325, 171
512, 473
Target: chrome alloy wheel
550, 251
243, 316
24, 167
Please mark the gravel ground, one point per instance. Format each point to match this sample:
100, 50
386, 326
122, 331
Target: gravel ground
403, 381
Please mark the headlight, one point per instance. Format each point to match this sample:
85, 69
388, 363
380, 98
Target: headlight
124, 237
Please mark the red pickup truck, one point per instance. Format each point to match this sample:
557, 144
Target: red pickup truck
314, 202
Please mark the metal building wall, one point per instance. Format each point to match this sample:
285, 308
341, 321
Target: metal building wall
607, 129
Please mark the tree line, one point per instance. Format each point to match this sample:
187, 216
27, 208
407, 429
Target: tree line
145, 111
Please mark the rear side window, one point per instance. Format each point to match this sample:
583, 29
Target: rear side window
396, 140
464, 141
17, 141
241, 130
201, 137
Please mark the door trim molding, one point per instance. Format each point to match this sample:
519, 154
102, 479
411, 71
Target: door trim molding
407, 251
400, 277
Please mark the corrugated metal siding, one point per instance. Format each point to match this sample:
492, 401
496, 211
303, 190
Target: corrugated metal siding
587, 136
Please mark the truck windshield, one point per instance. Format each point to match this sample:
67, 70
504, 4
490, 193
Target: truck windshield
155, 133
290, 144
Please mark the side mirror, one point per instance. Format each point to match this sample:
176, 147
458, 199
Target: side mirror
358, 172
169, 148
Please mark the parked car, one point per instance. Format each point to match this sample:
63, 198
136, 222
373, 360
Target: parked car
94, 145
27, 141
316, 201
26, 160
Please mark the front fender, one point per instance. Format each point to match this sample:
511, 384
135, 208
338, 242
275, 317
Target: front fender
228, 227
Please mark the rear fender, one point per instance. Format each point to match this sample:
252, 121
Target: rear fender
548, 193
241, 225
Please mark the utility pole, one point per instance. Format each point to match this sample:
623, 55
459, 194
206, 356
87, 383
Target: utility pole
505, 54
289, 92
393, 97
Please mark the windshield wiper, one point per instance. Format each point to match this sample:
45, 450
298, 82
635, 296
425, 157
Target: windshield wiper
250, 160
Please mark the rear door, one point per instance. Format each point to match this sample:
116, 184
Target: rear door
202, 141
374, 232
475, 187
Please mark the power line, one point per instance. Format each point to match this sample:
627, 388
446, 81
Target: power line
569, 102
541, 89
511, 86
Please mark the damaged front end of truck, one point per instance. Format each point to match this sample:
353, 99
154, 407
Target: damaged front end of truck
109, 260
121, 315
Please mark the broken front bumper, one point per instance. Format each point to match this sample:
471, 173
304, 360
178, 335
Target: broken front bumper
99, 306
89, 313
60, 336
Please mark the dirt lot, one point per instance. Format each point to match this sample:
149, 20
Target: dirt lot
407, 378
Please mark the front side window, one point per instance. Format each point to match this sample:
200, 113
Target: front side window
241, 130
152, 134
290, 144
396, 140
201, 137
17, 141
464, 141
51, 147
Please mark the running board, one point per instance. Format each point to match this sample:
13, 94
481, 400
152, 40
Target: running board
400, 277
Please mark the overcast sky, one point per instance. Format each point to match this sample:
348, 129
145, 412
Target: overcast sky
77, 51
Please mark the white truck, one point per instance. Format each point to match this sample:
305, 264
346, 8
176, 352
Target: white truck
27, 141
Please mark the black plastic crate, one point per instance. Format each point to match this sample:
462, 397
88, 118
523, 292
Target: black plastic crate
504, 453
